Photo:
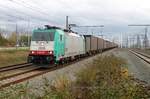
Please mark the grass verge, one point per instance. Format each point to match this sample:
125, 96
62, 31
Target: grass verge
10, 57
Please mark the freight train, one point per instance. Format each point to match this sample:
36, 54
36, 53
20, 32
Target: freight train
53, 45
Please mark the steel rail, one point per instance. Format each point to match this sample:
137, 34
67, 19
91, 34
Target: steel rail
142, 56
12, 67
9, 76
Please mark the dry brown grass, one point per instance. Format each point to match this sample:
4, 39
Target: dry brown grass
11, 57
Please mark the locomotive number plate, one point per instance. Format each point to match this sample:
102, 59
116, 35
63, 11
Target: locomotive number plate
41, 48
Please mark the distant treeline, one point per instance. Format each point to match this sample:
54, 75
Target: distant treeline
12, 40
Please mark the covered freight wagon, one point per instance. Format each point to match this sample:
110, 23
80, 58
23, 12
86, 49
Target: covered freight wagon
101, 44
90, 44
110, 45
93, 44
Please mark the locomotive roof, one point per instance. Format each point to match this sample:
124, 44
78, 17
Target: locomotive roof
44, 30
51, 27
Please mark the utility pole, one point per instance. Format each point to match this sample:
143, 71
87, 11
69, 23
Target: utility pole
17, 36
131, 42
67, 22
127, 43
138, 42
145, 41
121, 41
29, 32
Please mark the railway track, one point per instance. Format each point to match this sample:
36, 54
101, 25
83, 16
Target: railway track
12, 67
8, 72
13, 79
143, 56
12, 73
20, 77
28, 74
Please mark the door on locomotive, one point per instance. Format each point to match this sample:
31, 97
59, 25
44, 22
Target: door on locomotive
59, 45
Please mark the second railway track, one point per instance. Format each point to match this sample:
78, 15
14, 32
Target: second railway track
143, 56
9, 72
12, 67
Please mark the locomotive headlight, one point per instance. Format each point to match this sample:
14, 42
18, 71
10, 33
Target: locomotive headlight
32, 52
51, 52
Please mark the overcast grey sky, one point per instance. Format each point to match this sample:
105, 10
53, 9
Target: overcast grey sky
114, 14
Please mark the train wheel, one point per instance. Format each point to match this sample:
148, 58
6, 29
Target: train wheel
61, 62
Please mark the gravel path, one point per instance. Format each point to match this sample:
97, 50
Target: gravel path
137, 67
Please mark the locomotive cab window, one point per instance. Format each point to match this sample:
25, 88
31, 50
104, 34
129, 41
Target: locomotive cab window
43, 36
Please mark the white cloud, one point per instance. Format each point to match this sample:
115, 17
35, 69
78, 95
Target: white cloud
114, 14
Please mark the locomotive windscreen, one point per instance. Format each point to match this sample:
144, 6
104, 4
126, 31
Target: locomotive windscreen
43, 36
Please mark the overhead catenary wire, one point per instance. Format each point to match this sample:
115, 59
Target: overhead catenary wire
30, 8
26, 16
36, 7
16, 16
